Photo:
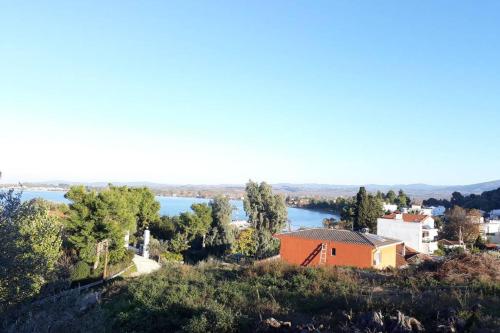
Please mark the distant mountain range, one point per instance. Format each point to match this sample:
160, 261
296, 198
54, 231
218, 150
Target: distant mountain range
422, 191
414, 190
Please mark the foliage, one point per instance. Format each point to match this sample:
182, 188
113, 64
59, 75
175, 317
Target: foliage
108, 214
266, 213
148, 207
165, 228
245, 243
347, 212
366, 211
488, 200
185, 232
391, 197
211, 297
171, 256
329, 223
402, 200
221, 235
157, 248
81, 271
438, 222
30, 247
458, 222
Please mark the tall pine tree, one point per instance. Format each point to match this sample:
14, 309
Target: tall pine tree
366, 211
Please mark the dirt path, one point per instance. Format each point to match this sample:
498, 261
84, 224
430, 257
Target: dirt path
144, 266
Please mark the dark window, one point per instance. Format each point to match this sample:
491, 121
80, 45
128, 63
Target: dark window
334, 251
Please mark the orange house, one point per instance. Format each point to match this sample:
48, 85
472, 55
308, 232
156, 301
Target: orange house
315, 247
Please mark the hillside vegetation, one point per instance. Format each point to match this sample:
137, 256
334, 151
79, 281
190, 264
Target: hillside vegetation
460, 294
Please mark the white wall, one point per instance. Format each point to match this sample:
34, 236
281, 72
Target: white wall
408, 232
429, 248
389, 207
492, 227
426, 211
428, 222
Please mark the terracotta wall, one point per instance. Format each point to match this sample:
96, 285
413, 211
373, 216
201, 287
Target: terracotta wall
295, 250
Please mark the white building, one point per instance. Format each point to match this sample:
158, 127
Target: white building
495, 214
438, 211
490, 227
390, 207
417, 209
429, 211
240, 224
415, 230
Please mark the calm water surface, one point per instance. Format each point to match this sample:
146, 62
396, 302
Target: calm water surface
176, 205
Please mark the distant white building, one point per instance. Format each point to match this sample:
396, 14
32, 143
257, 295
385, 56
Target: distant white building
438, 211
495, 214
240, 224
390, 207
490, 227
415, 230
417, 209
429, 211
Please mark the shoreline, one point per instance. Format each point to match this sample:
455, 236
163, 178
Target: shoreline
59, 189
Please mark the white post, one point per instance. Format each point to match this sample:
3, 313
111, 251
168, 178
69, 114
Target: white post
127, 239
145, 248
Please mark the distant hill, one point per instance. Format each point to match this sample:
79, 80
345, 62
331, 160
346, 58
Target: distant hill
418, 191
414, 190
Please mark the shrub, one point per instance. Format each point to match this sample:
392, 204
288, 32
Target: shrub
171, 256
129, 256
80, 272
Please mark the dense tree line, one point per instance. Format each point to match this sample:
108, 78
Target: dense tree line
341, 205
194, 235
206, 231
361, 211
402, 200
486, 201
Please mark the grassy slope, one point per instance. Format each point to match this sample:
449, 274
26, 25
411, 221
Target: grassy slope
221, 298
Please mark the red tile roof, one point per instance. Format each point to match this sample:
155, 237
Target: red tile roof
449, 242
407, 217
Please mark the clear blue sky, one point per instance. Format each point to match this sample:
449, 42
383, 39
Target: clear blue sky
344, 92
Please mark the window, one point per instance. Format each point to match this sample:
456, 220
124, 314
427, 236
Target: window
334, 251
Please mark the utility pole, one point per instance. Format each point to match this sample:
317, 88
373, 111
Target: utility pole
102, 247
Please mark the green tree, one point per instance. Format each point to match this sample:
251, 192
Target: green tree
366, 211
245, 243
185, 231
30, 246
108, 214
204, 214
148, 207
221, 235
391, 197
267, 213
346, 207
402, 200
457, 199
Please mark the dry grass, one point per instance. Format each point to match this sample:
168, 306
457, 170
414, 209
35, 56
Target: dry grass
467, 268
